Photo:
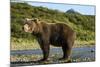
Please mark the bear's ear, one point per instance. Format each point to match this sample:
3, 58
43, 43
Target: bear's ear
36, 20
27, 19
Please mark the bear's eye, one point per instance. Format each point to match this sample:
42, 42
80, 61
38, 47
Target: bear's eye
27, 24
35, 20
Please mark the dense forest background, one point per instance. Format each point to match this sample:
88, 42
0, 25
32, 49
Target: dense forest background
84, 25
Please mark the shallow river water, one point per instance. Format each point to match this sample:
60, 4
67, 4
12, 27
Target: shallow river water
82, 54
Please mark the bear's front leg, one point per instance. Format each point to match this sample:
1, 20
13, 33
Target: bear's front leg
45, 47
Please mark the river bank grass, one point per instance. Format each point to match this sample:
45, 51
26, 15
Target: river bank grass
24, 44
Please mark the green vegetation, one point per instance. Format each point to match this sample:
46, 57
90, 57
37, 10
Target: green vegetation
84, 25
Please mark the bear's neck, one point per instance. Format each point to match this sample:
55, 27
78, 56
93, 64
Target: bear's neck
36, 34
38, 30
41, 28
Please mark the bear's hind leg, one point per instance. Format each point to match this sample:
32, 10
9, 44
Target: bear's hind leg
66, 53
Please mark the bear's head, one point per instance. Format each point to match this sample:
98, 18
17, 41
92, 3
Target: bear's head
31, 25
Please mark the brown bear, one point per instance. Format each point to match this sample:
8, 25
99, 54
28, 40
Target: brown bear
56, 34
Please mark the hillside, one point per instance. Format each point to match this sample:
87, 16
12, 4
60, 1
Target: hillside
84, 25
